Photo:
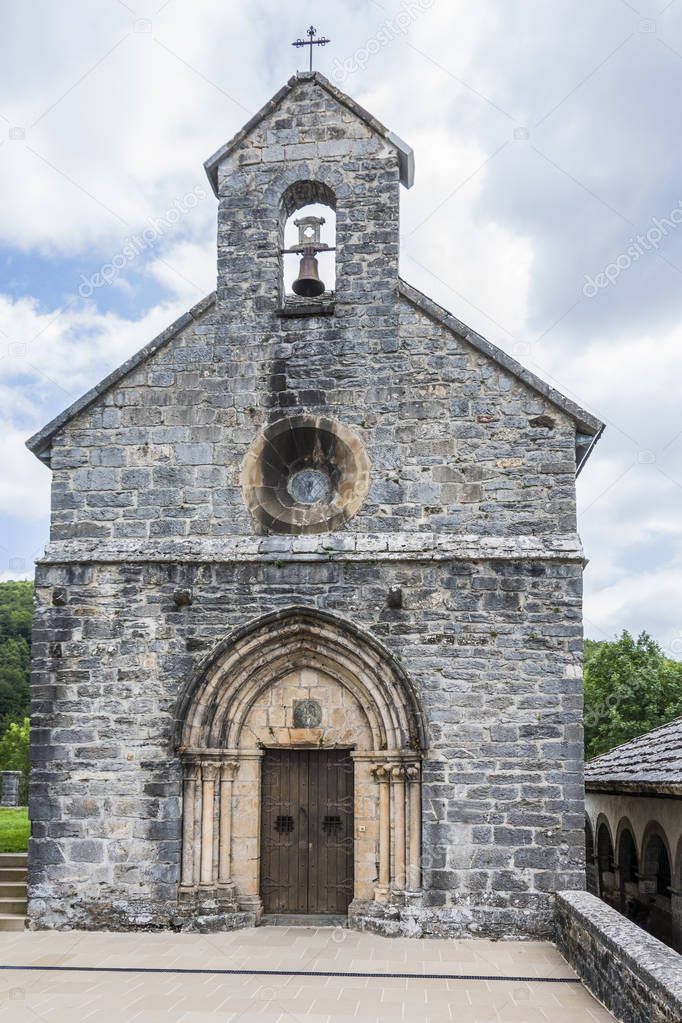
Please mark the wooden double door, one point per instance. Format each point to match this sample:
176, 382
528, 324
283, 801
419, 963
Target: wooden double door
307, 831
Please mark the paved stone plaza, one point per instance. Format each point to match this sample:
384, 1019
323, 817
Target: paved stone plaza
177, 997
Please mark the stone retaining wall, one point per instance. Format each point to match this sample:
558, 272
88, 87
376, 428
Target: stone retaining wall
634, 975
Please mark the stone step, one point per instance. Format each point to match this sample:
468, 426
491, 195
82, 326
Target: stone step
8, 874
303, 920
13, 860
13, 905
12, 889
12, 922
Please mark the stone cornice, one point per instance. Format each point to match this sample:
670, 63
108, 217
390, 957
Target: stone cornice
661, 789
324, 547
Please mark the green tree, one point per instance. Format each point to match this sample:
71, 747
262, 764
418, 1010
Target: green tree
14, 753
16, 616
630, 688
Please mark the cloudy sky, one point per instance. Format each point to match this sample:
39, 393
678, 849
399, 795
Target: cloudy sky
546, 213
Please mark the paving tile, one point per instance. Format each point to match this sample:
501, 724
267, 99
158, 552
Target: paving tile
208, 998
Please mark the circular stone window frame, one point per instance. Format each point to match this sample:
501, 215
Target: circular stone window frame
290, 445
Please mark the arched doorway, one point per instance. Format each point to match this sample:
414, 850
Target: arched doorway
657, 880
628, 874
301, 742
605, 864
592, 883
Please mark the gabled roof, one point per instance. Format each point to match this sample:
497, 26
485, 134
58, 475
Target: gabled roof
40, 443
649, 764
405, 153
589, 428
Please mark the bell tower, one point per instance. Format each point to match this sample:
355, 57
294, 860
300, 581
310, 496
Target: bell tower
311, 144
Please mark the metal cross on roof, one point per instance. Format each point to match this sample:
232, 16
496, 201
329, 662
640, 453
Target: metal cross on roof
311, 41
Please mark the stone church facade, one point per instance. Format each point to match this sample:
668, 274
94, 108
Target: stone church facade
308, 630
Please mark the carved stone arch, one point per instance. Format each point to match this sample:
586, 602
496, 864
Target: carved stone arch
627, 866
602, 820
323, 181
306, 192
653, 833
624, 825
657, 885
240, 703
589, 841
211, 710
605, 859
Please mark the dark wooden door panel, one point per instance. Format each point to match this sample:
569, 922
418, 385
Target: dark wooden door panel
307, 831
283, 869
330, 886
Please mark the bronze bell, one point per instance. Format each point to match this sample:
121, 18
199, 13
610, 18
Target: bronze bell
308, 283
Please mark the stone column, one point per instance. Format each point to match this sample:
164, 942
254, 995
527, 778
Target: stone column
398, 779
190, 775
246, 872
676, 909
209, 775
228, 769
415, 828
382, 776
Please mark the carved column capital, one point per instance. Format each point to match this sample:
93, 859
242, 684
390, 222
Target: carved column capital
412, 772
398, 773
382, 773
190, 770
209, 770
228, 770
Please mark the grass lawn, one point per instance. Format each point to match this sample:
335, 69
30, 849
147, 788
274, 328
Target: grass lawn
14, 829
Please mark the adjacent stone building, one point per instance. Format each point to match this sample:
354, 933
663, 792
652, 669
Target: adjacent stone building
633, 830
309, 626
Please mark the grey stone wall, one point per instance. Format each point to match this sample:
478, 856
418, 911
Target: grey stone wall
634, 975
492, 648
450, 436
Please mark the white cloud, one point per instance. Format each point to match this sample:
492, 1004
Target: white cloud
48, 358
499, 228
24, 482
641, 600
12, 576
66, 350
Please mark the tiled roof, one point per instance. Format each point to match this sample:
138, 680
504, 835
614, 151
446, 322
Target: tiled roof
651, 763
